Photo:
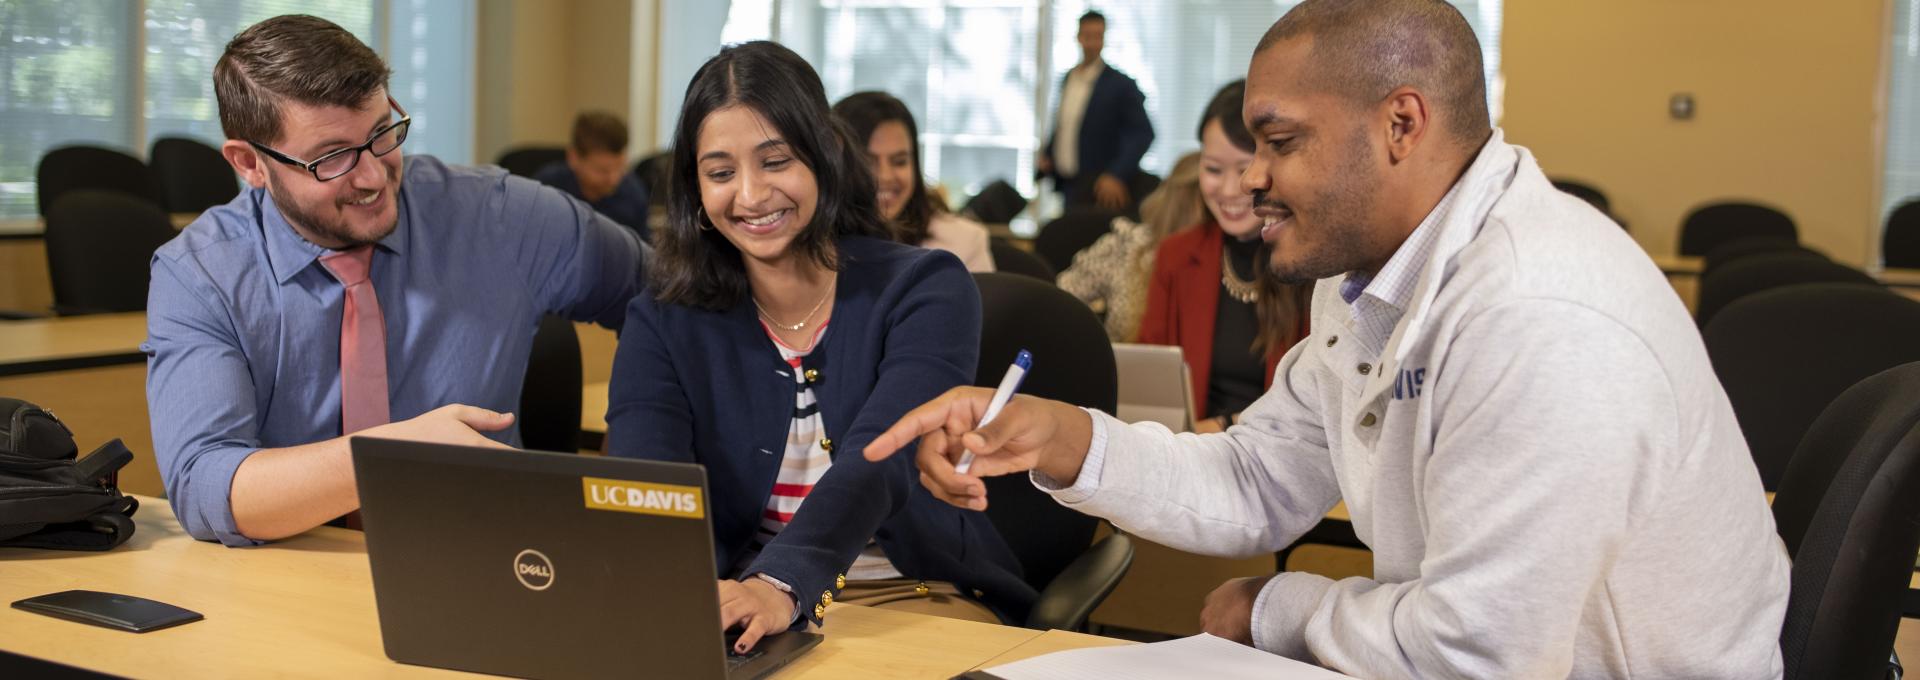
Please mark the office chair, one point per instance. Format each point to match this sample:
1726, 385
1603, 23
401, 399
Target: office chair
550, 397
1072, 362
100, 247
70, 168
1900, 245
1012, 260
1712, 224
527, 160
1849, 511
1783, 355
1592, 195
997, 203
1068, 234
1755, 273
1746, 246
191, 176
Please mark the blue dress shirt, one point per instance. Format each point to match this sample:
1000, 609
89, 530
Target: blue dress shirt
627, 204
243, 323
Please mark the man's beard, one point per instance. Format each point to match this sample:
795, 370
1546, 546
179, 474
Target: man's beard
332, 228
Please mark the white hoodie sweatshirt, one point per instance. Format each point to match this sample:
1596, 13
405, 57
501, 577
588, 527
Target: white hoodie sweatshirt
1548, 473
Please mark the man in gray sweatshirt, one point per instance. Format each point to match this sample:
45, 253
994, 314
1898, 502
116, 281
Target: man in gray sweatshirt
1512, 402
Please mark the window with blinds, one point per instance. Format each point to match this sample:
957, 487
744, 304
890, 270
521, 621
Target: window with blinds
1902, 183
66, 76
982, 76
1180, 53
122, 73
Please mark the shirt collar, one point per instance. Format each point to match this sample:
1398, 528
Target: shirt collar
1395, 282
288, 253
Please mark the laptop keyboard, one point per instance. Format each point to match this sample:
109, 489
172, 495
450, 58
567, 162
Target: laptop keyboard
736, 660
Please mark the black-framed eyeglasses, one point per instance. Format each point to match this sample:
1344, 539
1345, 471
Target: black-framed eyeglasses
342, 161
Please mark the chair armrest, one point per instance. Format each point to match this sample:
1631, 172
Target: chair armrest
1083, 585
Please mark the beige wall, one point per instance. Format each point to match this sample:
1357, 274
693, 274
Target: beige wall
541, 62
1787, 108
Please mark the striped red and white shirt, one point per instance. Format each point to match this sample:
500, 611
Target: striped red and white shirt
802, 464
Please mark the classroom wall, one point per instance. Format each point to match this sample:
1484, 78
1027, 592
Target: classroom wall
541, 62
1788, 101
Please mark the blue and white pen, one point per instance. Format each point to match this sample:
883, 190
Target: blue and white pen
1009, 384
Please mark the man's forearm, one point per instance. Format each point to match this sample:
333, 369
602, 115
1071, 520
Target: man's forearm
281, 492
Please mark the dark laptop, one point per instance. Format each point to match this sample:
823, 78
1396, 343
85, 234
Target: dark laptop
547, 565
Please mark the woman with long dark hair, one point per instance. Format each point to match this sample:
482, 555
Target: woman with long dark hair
1210, 295
884, 126
782, 326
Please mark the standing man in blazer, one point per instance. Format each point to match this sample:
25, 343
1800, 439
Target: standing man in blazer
1101, 130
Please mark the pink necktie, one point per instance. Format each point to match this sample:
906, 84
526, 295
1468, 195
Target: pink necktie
363, 343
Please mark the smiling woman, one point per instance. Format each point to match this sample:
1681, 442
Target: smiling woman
785, 324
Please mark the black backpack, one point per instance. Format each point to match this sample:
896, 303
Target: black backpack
50, 500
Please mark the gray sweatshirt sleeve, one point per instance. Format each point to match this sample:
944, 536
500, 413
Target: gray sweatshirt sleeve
1250, 490
1553, 423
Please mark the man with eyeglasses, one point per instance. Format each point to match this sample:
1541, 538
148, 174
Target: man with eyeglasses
348, 291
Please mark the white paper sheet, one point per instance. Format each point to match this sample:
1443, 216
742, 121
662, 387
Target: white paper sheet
1200, 656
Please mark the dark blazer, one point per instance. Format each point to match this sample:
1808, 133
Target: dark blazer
708, 387
627, 205
1114, 133
1183, 302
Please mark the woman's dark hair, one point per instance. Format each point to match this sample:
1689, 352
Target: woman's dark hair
697, 266
864, 112
1282, 308
1225, 108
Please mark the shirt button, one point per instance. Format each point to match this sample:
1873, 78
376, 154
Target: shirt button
1368, 420
1332, 340
1366, 368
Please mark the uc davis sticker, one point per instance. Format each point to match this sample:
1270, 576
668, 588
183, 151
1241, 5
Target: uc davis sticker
620, 495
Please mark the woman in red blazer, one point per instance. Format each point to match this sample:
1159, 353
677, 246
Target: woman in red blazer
1210, 294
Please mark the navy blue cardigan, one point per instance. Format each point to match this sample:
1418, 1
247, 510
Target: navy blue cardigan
709, 387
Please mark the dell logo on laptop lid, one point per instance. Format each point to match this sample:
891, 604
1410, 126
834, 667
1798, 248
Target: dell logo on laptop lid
533, 569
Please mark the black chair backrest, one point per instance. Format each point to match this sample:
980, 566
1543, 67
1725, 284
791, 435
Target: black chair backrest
1747, 246
1900, 245
1712, 224
69, 168
997, 203
1849, 511
1072, 362
1142, 184
1783, 355
1585, 192
99, 249
550, 397
526, 160
1012, 260
1068, 234
191, 176
652, 172
1756, 273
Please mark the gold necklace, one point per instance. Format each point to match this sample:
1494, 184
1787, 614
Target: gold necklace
1240, 289
803, 322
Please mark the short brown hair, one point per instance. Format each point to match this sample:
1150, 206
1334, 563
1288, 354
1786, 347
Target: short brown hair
599, 131
303, 58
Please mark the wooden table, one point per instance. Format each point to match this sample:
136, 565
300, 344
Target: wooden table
305, 606
89, 371
1683, 272
1050, 642
72, 342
